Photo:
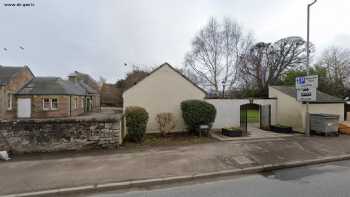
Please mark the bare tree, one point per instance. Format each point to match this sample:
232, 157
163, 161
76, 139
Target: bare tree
266, 62
131, 79
191, 75
336, 61
101, 81
216, 52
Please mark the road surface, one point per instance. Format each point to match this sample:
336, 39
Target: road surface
331, 179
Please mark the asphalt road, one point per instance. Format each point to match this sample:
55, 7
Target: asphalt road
332, 179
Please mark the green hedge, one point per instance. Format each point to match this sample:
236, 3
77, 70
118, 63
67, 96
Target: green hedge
136, 123
196, 113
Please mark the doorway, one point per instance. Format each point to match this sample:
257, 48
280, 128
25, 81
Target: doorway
24, 107
255, 116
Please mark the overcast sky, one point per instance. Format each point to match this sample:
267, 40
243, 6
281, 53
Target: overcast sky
98, 36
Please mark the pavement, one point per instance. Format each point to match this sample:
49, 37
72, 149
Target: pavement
253, 134
331, 179
159, 164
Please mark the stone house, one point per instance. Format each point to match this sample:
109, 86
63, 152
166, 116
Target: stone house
48, 97
22, 95
11, 80
93, 98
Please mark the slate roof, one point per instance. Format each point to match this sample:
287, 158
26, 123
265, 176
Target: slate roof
51, 86
320, 96
89, 89
87, 81
7, 72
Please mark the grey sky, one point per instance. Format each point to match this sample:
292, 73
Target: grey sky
98, 36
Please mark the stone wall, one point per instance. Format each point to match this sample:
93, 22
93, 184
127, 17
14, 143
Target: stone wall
96, 99
50, 135
72, 111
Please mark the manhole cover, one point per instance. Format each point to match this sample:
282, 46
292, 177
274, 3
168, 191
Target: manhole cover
242, 160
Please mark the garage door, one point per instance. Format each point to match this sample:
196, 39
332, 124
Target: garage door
24, 108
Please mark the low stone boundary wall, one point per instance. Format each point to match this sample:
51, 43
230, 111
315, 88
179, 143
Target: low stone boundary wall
58, 134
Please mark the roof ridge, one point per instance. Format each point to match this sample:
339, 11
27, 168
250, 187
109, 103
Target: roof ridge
171, 67
321, 96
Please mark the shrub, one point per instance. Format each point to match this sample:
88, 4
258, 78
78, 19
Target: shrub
166, 122
136, 122
196, 113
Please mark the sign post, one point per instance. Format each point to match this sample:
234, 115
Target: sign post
306, 91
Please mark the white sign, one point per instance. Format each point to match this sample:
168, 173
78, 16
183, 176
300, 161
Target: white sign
306, 94
204, 127
306, 82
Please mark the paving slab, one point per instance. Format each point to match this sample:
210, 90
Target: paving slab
253, 134
243, 160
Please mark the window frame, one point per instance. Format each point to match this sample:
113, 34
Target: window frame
82, 102
9, 101
43, 103
51, 103
75, 104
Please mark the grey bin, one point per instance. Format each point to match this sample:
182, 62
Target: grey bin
324, 123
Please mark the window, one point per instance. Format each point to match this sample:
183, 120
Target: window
75, 102
82, 103
50, 104
46, 104
9, 101
54, 103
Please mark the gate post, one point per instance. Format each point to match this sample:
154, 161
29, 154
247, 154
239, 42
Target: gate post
243, 119
265, 117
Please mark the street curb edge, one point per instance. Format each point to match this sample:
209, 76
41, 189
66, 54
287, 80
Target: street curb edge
167, 180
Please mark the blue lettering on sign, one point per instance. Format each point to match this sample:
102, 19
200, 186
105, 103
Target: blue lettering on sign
301, 80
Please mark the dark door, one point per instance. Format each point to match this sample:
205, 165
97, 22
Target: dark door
265, 117
88, 104
244, 119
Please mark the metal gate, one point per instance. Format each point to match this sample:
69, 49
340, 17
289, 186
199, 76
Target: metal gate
265, 117
244, 119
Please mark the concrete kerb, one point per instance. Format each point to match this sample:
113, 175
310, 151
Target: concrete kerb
167, 180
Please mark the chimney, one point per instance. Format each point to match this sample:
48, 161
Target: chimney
73, 77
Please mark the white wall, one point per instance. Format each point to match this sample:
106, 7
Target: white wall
228, 110
290, 112
325, 108
162, 91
